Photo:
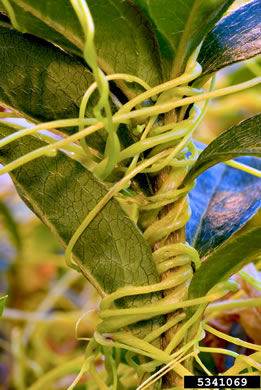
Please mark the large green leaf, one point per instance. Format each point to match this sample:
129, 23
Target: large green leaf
112, 251
229, 258
124, 39
42, 82
27, 18
235, 38
243, 139
38, 79
240, 249
223, 201
181, 25
225, 225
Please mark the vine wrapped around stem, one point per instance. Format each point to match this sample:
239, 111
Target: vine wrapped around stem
168, 148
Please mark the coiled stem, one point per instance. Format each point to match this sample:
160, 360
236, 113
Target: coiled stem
169, 150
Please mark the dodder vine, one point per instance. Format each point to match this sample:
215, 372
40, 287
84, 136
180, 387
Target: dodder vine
166, 146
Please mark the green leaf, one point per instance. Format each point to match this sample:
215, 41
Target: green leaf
38, 79
235, 38
223, 201
42, 82
181, 25
27, 18
11, 225
227, 233
227, 259
239, 250
124, 39
243, 139
2, 304
111, 252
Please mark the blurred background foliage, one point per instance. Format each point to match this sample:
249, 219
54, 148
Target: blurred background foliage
38, 329
227, 111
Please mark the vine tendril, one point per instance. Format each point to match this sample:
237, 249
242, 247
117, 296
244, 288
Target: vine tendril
159, 146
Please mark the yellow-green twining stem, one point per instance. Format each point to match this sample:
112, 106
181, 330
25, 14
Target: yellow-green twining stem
12, 16
250, 279
243, 167
117, 318
140, 168
231, 339
243, 362
118, 76
49, 150
121, 119
46, 126
177, 217
137, 345
173, 365
185, 78
166, 146
240, 166
198, 360
90, 91
163, 108
112, 148
233, 304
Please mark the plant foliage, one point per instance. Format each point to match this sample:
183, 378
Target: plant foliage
119, 80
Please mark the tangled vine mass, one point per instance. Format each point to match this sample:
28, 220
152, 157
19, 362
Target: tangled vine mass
162, 145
